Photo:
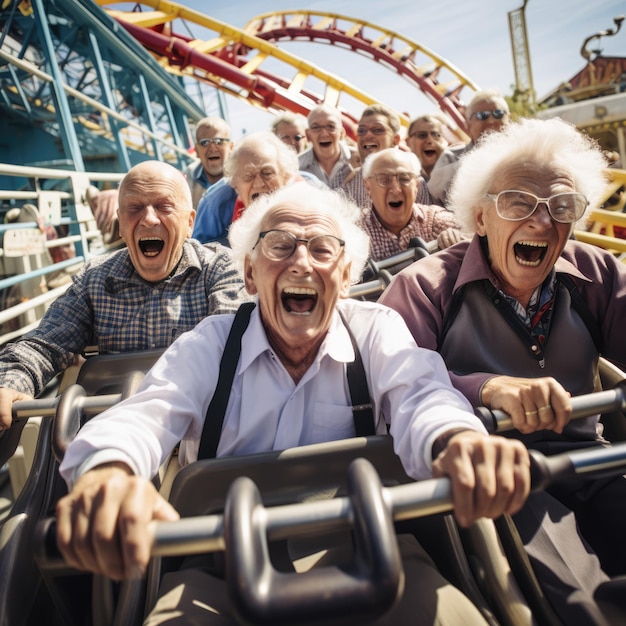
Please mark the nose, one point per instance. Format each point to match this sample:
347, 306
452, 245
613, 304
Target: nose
150, 215
300, 259
542, 215
395, 184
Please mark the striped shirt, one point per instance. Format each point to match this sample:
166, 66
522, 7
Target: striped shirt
111, 306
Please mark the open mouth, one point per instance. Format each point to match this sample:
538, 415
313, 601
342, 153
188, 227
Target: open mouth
429, 153
530, 253
368, 147
151, 246
325, 144
299, 300
395, 204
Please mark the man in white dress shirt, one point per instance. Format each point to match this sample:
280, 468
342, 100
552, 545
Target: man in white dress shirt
298, 251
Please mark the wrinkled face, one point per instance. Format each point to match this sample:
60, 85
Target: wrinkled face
375, 134
523, 253
393, 204
325, 133
476, 127
258, 172
213, 155
427, 142
292, 135
297, 296
155, 218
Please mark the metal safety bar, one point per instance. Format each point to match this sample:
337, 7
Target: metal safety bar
201, 534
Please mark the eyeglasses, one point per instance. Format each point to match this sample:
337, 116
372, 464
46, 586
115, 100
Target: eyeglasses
375, 130
422, 134
384, 180
295, 138
329, 128
267, 175
514, 205
498, 114
218, 141
278, 245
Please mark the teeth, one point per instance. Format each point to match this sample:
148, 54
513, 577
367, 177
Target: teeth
151, 239
528, 263
533, 244
301, 291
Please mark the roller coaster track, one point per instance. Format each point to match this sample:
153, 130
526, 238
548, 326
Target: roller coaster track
232, 60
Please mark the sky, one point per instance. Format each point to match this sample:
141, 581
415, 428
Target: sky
472, 35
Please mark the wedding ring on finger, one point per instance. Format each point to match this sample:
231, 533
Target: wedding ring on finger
530, 412
545, 408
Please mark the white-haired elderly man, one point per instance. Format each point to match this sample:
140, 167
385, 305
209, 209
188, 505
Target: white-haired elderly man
259, 164
392, 178
521, 314
298, 251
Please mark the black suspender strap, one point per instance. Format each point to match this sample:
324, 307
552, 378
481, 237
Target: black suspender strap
362, 413
214, 419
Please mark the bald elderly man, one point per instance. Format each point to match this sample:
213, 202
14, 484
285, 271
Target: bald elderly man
141, 297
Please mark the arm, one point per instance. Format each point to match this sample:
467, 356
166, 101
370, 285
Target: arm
103, 524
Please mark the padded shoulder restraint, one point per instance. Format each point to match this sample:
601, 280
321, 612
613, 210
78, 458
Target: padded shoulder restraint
214, 419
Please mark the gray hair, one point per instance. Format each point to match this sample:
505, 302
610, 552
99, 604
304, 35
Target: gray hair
244, 233
287, 117
553, 142
215, 123
492, 95
285, 155
332, 112
411, 162
388, 112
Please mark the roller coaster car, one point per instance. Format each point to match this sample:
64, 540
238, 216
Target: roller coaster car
476, 563
20, 579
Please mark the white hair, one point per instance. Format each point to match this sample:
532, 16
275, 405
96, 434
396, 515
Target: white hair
244, 233
553, 142
408, 159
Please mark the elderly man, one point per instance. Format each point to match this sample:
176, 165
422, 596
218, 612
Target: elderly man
379, 128
426, 140
487, 112
290, 128
259, 164
141, 297
328, 158
394, 218
521, 314
298, 251
213, 145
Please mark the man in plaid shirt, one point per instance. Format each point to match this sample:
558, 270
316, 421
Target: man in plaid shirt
391, 178
141, 297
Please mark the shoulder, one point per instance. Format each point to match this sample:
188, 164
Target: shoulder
208, 254
592, 262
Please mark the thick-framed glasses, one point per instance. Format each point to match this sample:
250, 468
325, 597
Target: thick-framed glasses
375, 130
481, 116
218, 141
278, 245
384, 180
267, 175
329, 128
295, 138
514, 205
422, 134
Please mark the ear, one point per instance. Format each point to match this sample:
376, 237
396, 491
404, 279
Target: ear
344, 291
479, 218
192, 218
248, 276
396, 139
307, 132
367, 183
